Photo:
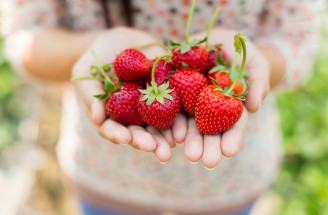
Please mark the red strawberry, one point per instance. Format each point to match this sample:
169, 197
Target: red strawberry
195, 58
217, 109
189, 83
161, 71
131, 66
121, 105
159, 110
224, 81
213, 55
216, 112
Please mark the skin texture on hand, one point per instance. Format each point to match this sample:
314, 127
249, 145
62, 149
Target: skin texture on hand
148, 139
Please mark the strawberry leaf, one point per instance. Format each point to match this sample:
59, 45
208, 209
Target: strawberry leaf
184, 48
106, 67
174, 44
168, 96
151, 99
202, 41
185, 66
245, 73
237, 43
143, 91
220, 61
109, 87
217, 85
241, 97
160, 99
219, 68
102, 96
94, 71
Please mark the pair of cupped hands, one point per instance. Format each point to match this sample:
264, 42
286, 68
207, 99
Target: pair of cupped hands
197, 146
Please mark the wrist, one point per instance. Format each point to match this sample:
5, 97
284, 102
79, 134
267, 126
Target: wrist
277, 63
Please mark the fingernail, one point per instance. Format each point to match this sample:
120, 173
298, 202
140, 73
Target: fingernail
93, 111
193, 162
161, 162
209, 168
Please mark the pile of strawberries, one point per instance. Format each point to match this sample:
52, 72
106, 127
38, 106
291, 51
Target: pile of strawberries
193, 77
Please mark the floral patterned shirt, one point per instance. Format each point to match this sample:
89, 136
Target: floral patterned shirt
135, 177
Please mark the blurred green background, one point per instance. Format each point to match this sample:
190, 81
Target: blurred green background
302, 187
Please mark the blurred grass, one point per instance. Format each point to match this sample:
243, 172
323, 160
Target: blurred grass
10, 103
303, 182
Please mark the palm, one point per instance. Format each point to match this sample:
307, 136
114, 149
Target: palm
147, 139
210, 148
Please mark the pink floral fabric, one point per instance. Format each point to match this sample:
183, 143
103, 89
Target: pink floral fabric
134, 177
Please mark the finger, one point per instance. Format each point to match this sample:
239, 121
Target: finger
258, 87
232, 139
179, 128
168, 137
163, 150
142, 139
194, 142
88, 89
212, 150
115, 132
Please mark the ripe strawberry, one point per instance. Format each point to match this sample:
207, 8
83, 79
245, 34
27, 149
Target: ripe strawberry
131, 66
121, 105
213, 56
219, 109
161, 71
190, 54
216, 112
189, 83
159, 110
224, 81
195, 58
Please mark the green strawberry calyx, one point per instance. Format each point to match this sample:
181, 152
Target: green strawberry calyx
155, 92
111, 85
161, 93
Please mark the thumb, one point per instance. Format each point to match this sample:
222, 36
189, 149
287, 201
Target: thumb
87, 90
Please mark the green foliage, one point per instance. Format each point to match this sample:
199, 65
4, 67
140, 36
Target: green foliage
303, 183
10, 103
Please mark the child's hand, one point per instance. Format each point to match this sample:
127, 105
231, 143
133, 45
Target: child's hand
106, 47
210, 148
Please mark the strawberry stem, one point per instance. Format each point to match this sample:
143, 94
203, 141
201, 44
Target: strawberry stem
87, 77
100, 67
189, 19
153, 83
234, 62
157, 43
209, 29
241, 40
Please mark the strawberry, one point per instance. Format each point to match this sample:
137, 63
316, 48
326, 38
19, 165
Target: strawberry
161, 112
121, 105
219, 109
162, 71
190, 54
195, 58
216, 56
158, 105
189, 83
224, 81
216, 112
131, 65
